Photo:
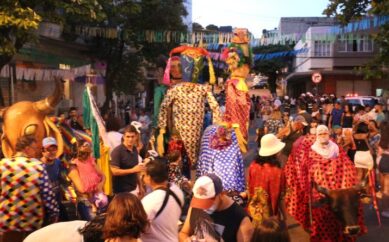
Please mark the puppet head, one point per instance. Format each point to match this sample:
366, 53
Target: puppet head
238, 54
187, 63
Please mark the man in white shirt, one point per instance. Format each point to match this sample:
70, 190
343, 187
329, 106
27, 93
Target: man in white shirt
163, 205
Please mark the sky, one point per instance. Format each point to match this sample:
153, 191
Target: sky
255, 15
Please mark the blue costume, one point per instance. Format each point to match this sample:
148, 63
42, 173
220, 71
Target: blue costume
226, 161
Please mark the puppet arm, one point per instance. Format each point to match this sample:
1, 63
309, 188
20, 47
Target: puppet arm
162, 120
214, 107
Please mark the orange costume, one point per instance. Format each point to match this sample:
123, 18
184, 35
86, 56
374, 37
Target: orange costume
238, 58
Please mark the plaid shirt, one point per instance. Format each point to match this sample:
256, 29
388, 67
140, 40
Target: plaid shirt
25, 194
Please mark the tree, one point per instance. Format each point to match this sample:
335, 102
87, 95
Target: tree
197, 26
16, 25
19, 19
212, 27
272, 67
126, 54
350, 10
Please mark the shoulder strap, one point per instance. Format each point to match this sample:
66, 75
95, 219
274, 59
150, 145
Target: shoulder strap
165, 200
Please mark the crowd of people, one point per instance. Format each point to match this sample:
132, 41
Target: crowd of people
156, 199
361, 131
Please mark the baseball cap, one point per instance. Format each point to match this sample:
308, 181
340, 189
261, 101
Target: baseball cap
301, 119
205, 189
49, 141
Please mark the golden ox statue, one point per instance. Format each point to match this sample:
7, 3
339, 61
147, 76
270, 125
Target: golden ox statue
30, 118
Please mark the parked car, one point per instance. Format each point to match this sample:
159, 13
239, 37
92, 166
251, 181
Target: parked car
362, 101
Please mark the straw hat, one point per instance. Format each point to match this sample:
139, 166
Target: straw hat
270, 145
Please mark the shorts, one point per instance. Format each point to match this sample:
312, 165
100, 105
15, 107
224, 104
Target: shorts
363, 159
383, 164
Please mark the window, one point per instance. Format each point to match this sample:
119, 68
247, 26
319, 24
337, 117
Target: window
355, 43
322, 48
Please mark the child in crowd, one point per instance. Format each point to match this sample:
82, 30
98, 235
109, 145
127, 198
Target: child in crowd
337, 134
175, 171
176, 176
88, 181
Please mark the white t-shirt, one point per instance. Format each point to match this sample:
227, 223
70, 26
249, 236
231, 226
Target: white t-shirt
58, 232
114, 140
164, 228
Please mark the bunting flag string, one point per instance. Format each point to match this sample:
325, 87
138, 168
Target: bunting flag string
25, 73
201, 37
330, 34
268, 56
216, 56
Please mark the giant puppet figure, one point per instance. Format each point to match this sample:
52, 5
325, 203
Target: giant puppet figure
30, 118
238, 57
220, 154
322, 189
187, 100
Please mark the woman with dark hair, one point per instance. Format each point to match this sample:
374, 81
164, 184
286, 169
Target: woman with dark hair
359, 114
383, 167
363, 158
347, 118
266, 181
126, 219
274, 122
374, 137
114, 137
271, 230
72, 231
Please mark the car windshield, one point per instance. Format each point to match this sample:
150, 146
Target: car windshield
353, 101
369, 102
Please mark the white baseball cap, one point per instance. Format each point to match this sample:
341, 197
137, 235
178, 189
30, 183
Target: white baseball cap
49, 141
137, 125
205, 189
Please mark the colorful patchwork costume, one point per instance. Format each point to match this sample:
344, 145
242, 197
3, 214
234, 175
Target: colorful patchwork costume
188, 113
25, 195
187, 101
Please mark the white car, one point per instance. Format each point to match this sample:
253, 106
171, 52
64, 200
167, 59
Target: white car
362, 101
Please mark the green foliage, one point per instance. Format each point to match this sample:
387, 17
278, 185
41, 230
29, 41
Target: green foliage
212, 27
126, 55
197, 27
16, 26
19, 19
349, 10
272, 67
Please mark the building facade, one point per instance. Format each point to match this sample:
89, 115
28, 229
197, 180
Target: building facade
337, 58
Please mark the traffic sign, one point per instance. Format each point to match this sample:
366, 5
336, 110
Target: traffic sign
316, 77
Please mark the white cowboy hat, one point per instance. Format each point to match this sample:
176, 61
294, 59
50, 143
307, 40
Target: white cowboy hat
270, 145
